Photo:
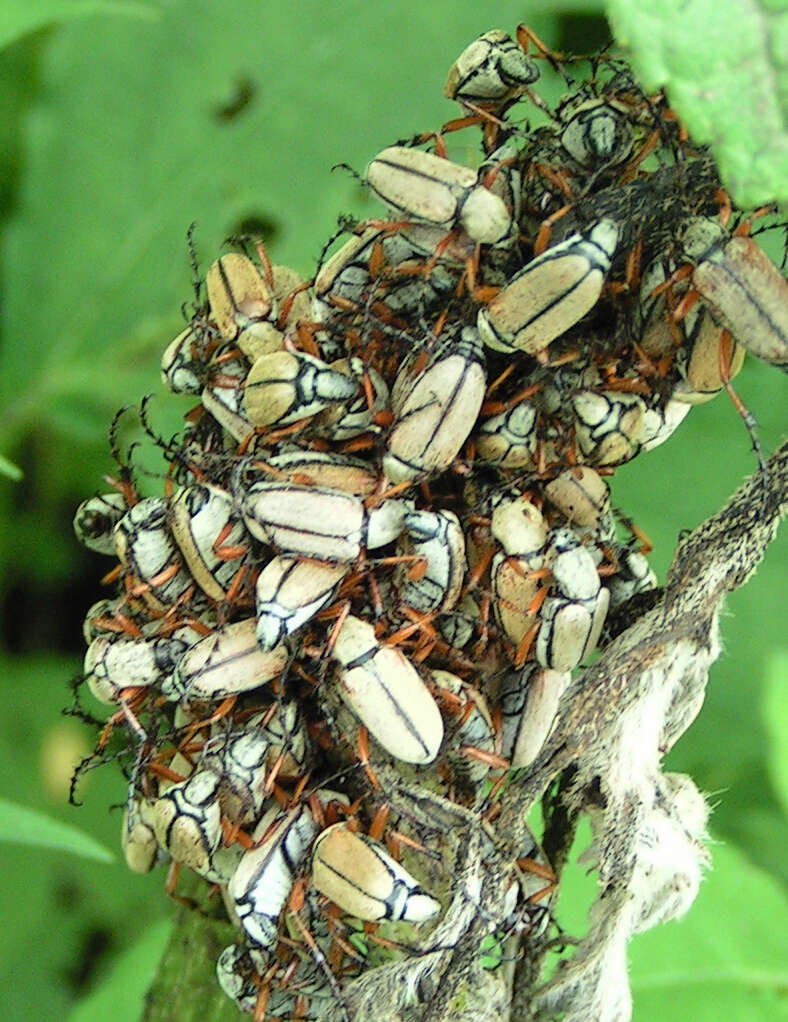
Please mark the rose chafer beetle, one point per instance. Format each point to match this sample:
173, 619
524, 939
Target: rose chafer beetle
290, 592
742, 288
436, 410
359, 876
224, 663
386, 693
317, 523
285, 386
210, 534
552, 293
95, 520
261, 885
573, 614
423, 187
436, 536
187, 820
490, 71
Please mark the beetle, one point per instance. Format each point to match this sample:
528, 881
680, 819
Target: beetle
226, 662
290, 592
95, 520
316, 522
261, 884
348, 419
437, 409
436, 536
184, 362
520, 528
583, 498
635, 575
210, 534
285, 386
509, 439
223, 398
741, 286
113, 664
240, 758
423, 187
384, 690
608, 426
238, 295
473, 728
288, 744
490, 72
574, 612
552, 293
596, 132
186, 819
145, 547
137, 836
359, 876
529, 699
325, 470
700, 359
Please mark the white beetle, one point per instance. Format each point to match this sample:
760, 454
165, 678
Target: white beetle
522, 532
325, 470
285, 386
436, 536
113, 664
200, 517
509, 439
698, 358
741, 286
437, 410
359, 876
635, 575
186, 819
224, 400
95, 520
265, 875
573, 614
286, 734
348, 419
552, 293
583, 498
239, 758
238, 295
472, 728
384, 690
138, 837
608, 425
290, 592
146, 549
423, 187
596, 132
224, 663
183, 364
490, 71
316, 522
529, 699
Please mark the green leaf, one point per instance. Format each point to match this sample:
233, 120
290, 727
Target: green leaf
8, 468
725, 68
18, 17
775, 719
730, 951
21, 825
121, 994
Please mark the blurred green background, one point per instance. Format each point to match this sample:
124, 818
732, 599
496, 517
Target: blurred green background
121, 124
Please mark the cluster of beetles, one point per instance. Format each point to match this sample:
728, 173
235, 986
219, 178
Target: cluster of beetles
385, 539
